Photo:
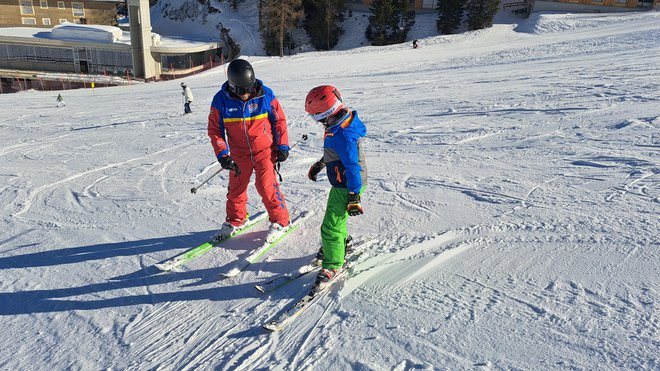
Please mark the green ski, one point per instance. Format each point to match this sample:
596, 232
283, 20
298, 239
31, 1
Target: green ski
191, 254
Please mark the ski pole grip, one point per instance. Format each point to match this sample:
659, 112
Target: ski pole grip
304, 137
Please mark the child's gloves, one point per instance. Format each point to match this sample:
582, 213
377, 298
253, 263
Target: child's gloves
354, 208
315, 170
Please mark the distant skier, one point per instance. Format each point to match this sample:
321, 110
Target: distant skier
247, 117
187, 97
343, 159
60, 100
415, 44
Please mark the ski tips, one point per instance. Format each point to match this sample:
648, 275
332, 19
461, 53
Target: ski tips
163, 267
272, 326
160, 267
235, 270
231, 273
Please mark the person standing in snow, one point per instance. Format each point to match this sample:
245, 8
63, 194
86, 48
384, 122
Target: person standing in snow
187, 98
60, 100
344, 161
247, 117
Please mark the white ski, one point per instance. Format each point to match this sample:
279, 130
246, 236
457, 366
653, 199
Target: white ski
296, 308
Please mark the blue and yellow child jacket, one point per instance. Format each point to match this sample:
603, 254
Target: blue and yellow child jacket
343, 154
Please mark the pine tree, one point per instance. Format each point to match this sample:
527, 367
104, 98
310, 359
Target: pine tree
450, 15
407, 19
390, 21
481, 13
278, 19
322, 19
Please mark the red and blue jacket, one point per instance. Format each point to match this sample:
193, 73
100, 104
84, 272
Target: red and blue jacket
249, 128
343, 154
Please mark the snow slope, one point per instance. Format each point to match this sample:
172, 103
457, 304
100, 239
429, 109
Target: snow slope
513, 207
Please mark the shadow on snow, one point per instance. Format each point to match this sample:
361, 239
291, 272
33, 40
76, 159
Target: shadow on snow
61, 299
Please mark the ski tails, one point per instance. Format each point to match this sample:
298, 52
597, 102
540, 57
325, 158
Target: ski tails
257, 253
191, 254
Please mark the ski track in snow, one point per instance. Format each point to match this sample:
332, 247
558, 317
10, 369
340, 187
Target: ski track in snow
512, 213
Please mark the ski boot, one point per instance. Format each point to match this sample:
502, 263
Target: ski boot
348, 249
276, 231
323, 279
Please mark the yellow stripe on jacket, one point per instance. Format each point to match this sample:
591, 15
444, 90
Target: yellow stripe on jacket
240, 119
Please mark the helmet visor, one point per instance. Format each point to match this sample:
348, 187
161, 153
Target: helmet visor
323, 116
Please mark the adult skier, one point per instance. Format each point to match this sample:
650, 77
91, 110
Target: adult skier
247, 117
343, 159
187, 98
60, 100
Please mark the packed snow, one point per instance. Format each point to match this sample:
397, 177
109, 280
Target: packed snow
512, 212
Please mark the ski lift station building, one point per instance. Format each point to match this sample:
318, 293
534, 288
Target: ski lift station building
105, 50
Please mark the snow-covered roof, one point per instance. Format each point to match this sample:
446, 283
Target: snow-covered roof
86, 33
68, 33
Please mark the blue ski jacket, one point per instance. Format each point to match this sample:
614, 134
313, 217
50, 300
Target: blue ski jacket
343, 154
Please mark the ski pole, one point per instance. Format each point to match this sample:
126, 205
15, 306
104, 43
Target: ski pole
194, 189
304, 137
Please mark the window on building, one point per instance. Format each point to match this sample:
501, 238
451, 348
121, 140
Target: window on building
622, 1
43, 4
63, 21
45, 21
29, 21
26, 7
60, 5
78, 9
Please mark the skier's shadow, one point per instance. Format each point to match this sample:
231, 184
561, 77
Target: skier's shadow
114, 290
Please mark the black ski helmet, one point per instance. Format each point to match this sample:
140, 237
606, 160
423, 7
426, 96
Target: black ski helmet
240, 76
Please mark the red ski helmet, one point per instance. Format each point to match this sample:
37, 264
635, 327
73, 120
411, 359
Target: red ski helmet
322, 102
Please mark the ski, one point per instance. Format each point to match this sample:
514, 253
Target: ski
296, 308
257, 253
313, 266
283, 279
193, 253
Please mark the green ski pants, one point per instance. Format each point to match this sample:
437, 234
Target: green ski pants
333, 229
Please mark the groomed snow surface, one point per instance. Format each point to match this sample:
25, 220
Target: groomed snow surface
513, 208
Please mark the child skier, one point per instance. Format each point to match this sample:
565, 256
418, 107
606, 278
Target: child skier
247, 117
343, 159
60, 100
187, 97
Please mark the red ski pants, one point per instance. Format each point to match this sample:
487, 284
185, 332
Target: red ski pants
267, 187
